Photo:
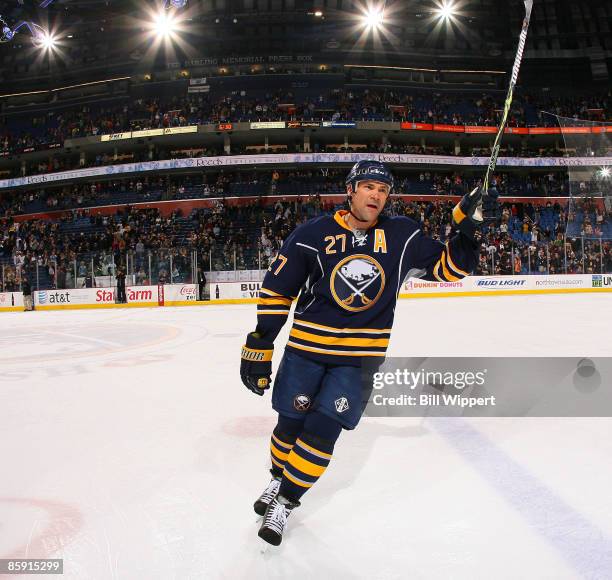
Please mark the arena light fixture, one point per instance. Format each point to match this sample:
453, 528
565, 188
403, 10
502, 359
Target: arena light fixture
48, 41
604, 172
41, 38
372, 24
446, 21
374, 17
166, 30
446, 10
165, 24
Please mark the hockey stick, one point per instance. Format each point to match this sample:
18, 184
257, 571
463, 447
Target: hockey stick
515, 72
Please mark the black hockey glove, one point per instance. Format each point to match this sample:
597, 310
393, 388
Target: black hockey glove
256, 363
491, 209
467, 214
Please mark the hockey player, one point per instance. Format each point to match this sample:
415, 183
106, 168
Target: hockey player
346, 271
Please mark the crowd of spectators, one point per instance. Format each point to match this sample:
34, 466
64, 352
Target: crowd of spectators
83, 245
540, 246
153, 188
54, 126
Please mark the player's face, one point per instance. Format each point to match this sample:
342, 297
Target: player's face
369, 199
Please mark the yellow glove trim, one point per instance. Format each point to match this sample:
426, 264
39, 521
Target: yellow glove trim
458, 215
254, 355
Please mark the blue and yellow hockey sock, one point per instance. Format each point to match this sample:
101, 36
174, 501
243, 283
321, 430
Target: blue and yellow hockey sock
281, 442
310, 456
280, 446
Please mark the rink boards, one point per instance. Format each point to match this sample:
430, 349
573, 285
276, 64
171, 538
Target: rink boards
245, 292
87, 298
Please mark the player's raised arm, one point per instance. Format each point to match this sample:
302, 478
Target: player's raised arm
282, 282
456, 258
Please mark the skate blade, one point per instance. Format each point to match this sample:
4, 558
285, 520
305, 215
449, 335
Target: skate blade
264, 547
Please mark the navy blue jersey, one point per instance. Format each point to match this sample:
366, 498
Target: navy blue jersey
347, 285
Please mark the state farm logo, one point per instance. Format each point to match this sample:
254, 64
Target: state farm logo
105, 296
139, 295
133, 295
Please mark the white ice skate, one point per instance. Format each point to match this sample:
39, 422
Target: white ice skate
275, 519
267, 496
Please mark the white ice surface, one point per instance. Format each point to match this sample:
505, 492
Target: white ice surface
130, 448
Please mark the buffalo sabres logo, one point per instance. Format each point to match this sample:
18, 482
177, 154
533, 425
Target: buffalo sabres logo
301, 402
357, 282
